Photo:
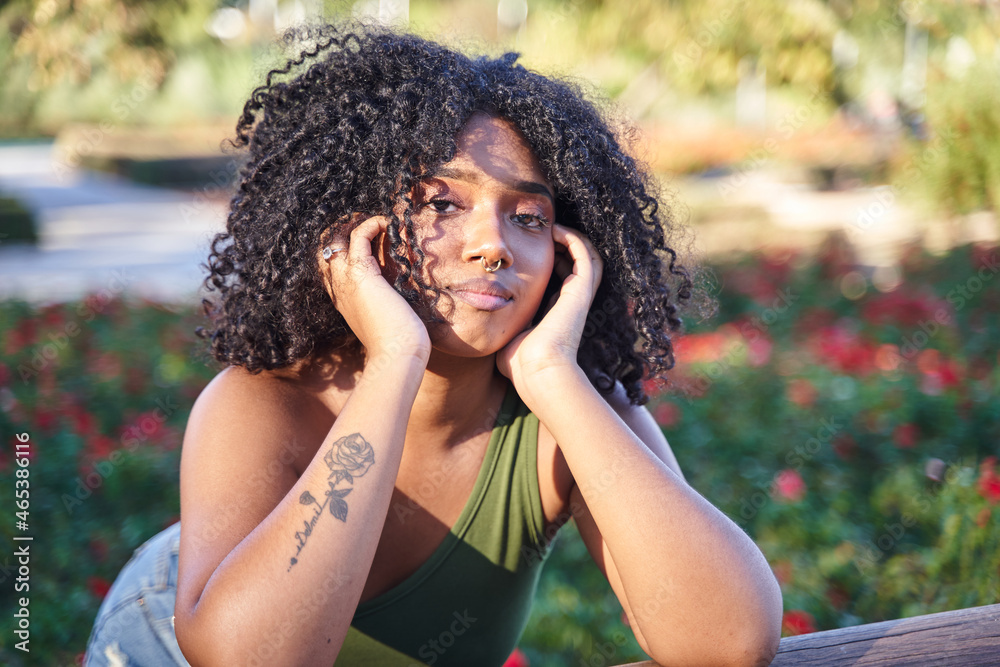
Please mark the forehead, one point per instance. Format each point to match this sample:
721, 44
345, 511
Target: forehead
495, 147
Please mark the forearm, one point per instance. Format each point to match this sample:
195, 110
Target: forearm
287, 593
696, 584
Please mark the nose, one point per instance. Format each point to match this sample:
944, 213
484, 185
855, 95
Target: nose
485, 241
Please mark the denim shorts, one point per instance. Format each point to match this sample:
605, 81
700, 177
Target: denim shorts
135, 624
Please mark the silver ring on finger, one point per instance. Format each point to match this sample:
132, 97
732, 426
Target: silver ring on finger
330, 251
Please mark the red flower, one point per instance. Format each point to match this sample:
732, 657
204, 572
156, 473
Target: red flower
950, 374
908, 310
905, 436
667, 414
52, 316
45, 420
98, 586
845, 351
517, 659
24, 334
106, 366
989, 481
937, 373
695, 348
83, 421
100, 447
844, 445
887, 358
797, 622
652, 386
150, 423
801, 392
789, 486
759, 352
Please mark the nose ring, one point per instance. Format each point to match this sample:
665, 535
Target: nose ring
490, 268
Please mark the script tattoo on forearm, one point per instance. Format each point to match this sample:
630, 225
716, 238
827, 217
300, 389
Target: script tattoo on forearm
349, 457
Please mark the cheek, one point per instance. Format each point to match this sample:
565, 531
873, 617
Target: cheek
436, 246
540, 265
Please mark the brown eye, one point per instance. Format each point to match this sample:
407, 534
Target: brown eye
530, 221
441, 205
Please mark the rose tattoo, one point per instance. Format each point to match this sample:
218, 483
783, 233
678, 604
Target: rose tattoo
349, 457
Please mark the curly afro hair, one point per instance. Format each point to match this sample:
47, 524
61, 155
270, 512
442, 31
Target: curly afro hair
351, 125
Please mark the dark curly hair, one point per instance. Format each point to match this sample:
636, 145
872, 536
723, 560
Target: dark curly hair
351, 125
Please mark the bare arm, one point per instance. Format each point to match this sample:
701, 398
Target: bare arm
696, 588
255, 601
272, 566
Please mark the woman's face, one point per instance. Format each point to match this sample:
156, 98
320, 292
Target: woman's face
490, 207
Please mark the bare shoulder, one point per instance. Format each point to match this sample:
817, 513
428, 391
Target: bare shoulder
247, 439
256, 417
236, 387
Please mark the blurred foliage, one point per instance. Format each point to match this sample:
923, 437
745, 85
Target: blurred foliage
849, 421
111, 61
17, 223
697, 47
131, 62
957, 169
103, 388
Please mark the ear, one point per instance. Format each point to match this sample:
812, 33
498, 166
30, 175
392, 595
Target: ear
380, 249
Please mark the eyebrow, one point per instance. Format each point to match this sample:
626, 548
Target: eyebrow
528, 187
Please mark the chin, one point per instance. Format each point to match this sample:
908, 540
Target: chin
474, 334
467, 344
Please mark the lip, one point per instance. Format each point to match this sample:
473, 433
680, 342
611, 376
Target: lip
488, 295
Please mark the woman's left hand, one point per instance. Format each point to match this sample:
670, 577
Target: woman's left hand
552, 345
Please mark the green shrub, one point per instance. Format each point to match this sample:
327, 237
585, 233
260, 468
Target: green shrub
852, 439
17, 223
958, 167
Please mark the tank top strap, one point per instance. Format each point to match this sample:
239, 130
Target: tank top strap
511, 495
470, 602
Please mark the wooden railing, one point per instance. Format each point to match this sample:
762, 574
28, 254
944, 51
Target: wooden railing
963, 638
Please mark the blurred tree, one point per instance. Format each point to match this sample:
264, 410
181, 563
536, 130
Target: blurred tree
80, 46
880, 28
958, 168
696, 46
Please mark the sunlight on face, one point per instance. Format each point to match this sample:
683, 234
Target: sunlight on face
485, 225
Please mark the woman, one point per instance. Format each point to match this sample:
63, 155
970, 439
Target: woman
442, 283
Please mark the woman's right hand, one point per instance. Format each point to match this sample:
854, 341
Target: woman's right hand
381, 319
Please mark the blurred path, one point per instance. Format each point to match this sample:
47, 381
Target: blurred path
762, 208
98, 232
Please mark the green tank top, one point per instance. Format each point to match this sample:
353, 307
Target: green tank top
469, 603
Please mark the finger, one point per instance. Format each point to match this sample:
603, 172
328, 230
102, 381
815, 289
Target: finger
587, 261
563, 266
363, 235
359, 260
348, 256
